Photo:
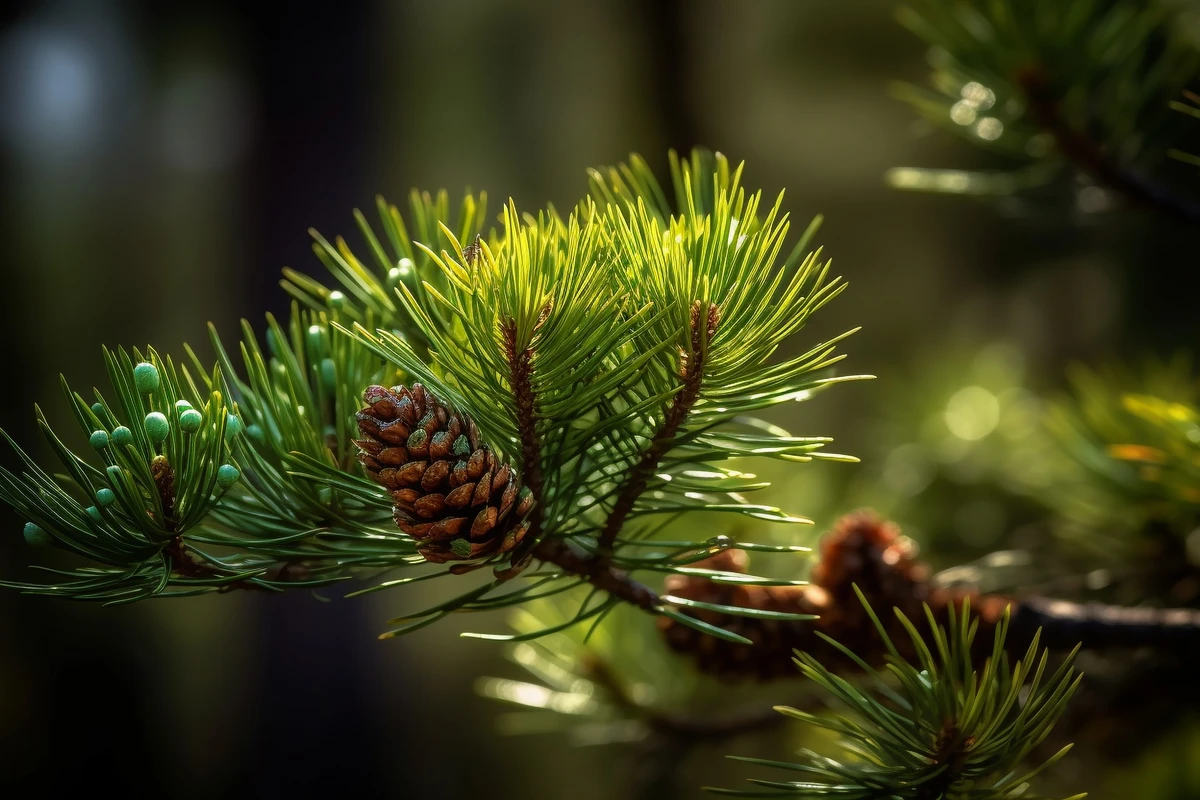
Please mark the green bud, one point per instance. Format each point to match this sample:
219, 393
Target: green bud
256, 433
99, 410
98, 440
157, 427
94, 513
146, 377
182, 406
35, 536
336, 300
105, 497
316, 339
394, 275
233, 426
122, 436
190, 420
227, 475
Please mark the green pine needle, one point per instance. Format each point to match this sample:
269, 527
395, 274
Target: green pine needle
937, 726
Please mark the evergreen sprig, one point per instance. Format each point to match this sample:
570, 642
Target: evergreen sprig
615, 356
1056, 89
931, 727
367, 293
1131, 441
160, 462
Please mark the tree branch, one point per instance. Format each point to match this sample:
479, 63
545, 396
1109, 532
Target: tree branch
1101, 627
951, 753
692, 372
561, 552
520, 366
1090, 158
868, 554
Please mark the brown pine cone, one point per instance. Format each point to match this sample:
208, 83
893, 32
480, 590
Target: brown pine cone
451, 493
770, 655
862, 550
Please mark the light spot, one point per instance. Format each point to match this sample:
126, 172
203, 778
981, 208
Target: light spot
963, 112
1093, 200
972, 413
978, 95
989, 128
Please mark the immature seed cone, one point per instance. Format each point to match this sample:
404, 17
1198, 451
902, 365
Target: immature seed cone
862, 550
451, 493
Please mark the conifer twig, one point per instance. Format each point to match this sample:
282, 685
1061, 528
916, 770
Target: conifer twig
692, 374
864, 555
1087, 156
559, 551
1100, 626
521, 367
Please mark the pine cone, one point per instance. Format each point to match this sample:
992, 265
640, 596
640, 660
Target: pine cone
862, 550
451, 493
770, 655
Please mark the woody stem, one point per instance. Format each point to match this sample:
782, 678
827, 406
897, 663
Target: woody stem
639, 476
598, 572
520, 365
1088, 156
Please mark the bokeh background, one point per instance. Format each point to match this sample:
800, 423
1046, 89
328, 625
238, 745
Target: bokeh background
162, 162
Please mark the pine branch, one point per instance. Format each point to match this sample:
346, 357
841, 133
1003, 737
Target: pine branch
1098, 99
692, 377
1106, 627
1092, 159
951, 752
599, 572
520, 365
586, 348
931, 726
864, 555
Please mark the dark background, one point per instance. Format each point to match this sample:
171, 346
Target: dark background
163, 161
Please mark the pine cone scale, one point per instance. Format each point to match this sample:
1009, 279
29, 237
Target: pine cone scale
450, 491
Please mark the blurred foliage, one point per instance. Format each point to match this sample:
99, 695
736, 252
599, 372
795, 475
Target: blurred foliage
1055, 88
1169, 771
1135, 437
600, 683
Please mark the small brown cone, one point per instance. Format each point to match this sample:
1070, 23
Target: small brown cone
770, 655
862, 550
450, 491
